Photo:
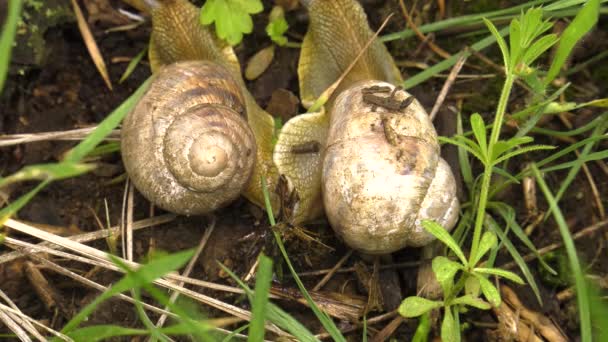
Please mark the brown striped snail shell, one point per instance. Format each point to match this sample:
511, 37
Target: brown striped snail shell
186, 145
383, 174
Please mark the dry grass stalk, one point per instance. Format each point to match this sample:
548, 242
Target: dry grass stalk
100, 234
92, 47
74, 134
25, 324
168, 282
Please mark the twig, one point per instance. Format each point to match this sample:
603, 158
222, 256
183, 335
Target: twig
421, 35
581, 233
75, 134
447, 84
190, 266
333, 270
99, 234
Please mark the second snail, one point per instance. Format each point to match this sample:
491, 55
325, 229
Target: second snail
376, 172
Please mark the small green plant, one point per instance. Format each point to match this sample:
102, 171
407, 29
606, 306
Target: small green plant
232, 18
277, 26
528, 41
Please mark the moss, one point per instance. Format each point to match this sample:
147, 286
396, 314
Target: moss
36, 18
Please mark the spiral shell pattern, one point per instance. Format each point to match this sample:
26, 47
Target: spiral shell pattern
186, 145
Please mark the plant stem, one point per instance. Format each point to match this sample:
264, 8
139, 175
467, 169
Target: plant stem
487, 174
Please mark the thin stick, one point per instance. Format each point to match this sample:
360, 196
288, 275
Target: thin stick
92, 47
406, 264
447, 84
333, 270
441, 52
26, 324
189, 267
167, 283
33, 321
74, 134
99, 234
14, 327
581, 233
330, 90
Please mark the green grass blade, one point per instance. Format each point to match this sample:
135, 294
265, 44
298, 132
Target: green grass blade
7, 38
147, 273
471, 19
132, 65
263, 277
325, 320
449, 62
521, 263
106, 126
55, 171
102, 332
582, 295
276, 315
14, 207
582, 23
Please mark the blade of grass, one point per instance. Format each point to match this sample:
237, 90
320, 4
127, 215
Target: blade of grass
449, 62
260, 299
106, 126
276, 315
582, 295
132, 64
8, 36
156, 268
583, 22
325, 320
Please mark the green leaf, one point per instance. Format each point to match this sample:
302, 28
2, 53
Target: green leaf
489, 290
102, 332
538, 48
502, 146
582, 23
444, 236
445, 270
522, 151
415, 306
423, 330
501, 273
488, 241
479, 130
450, 332
9, 29
463, 158
501, 43
471, 286
465, 144
472, 301
514, 41
260, 299
232, 18
277, 26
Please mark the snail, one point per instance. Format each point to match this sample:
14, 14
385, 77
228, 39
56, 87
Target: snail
178, 36
186, 145
378, 172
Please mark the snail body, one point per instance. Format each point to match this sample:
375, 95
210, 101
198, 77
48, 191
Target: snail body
186, 144
382, 173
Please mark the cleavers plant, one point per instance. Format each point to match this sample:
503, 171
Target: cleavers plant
528, 41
